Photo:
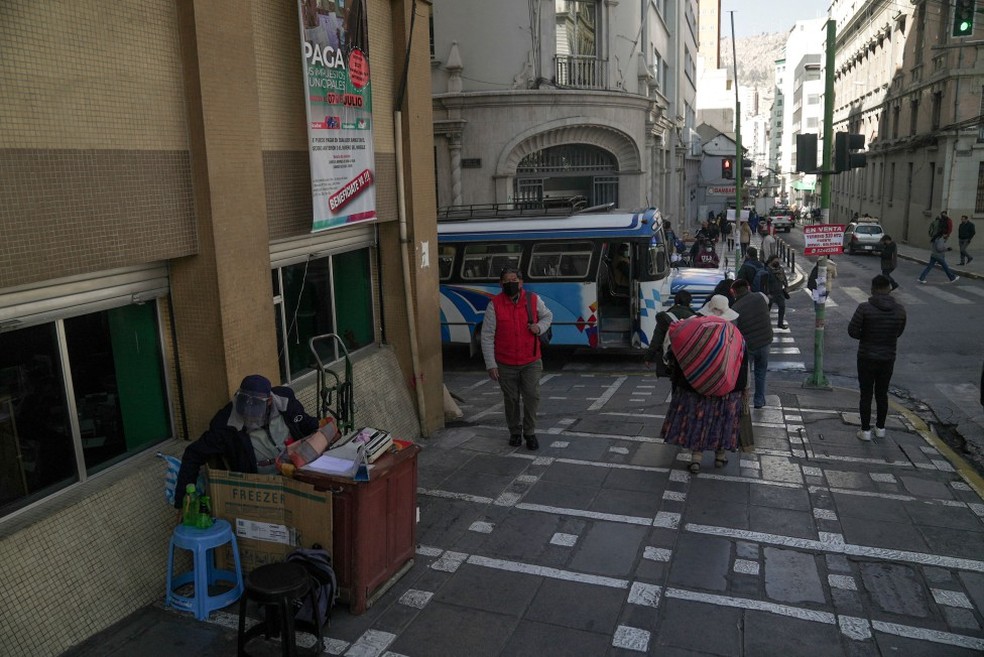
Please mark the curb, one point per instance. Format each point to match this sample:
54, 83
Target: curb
963, 468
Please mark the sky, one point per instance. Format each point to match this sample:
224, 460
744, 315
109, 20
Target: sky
757, 16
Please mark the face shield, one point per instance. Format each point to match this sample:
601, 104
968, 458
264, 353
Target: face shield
252, 408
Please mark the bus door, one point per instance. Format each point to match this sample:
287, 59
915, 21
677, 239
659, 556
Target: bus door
617, 294
654, 287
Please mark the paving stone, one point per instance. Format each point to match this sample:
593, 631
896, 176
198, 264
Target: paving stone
954, 542
625, 502
892, 535
929, 515
775, 468
974, 584
474, 483
606, 424
847, 602
938, 576
705, 492
652, 483
797, 499
792, 576
721, 514
769, 634
701, 562
559, 602
924, 487
609, 548
567, 496
486, 635
961, 619
544, 640
783, 522
526, 537
895, 588
889, 644
746, 550
578, 475
856, 506
846, 479
703, 628
838, 563
495, 465
655, 455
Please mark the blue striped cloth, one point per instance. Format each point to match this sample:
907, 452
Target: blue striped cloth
171, 477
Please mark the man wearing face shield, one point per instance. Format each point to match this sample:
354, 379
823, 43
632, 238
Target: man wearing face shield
511, 347
248, 433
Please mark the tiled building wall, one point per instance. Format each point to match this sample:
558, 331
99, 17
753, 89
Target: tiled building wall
93, 142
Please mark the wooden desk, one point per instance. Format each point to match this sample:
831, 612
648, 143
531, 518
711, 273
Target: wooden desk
374, 526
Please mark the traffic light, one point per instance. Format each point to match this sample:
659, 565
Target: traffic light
844, 159
963, 18
806, 152
746, 169
728, 168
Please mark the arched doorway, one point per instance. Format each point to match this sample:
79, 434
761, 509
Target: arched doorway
557, 173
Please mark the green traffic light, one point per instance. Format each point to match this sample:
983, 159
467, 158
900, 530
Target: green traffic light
964, 26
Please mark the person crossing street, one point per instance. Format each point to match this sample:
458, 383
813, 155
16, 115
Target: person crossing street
965, 233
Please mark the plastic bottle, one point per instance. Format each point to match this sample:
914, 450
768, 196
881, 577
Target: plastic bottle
189, 508
204, 520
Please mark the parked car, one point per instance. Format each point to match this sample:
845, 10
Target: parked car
863, 236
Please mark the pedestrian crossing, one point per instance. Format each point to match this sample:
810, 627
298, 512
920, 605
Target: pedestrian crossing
918, 296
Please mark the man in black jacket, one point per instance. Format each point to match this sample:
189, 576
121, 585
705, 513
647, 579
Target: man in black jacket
248, 433
877, 323
756, 327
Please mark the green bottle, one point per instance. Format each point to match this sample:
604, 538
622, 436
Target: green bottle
189, 508
204, 520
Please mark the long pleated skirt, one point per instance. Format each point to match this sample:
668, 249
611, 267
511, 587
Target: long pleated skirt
698, 423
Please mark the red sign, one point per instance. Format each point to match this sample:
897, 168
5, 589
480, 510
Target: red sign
823, 239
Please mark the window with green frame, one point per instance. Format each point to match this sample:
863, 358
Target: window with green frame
332, 294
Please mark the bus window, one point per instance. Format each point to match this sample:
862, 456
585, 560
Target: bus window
560, 260
486, 261
445, 261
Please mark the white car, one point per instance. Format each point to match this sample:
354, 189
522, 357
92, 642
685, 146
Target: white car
783, 222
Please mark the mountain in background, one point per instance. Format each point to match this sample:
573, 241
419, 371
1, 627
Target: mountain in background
757, 57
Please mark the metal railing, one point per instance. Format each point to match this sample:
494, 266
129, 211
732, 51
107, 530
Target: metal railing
583, 72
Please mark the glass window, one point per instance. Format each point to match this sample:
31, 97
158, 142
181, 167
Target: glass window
325, 295
115, 366
560, 260
486, 261
445, 261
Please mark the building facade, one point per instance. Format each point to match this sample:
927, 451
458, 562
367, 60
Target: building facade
915, 93
807, 118
548, 102
157, 247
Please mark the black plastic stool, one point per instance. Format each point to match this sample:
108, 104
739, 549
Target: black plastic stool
276, 587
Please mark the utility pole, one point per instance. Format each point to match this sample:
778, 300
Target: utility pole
817, 379
739, 162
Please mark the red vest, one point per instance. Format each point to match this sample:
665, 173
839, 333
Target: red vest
514, 344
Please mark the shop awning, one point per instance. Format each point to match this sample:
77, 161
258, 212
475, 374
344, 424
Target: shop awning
804, 186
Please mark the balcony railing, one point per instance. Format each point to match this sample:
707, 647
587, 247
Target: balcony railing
580, 71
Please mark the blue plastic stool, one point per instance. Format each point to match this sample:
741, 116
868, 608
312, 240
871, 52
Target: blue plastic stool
202, 543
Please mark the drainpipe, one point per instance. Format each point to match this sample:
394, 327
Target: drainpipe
405, 245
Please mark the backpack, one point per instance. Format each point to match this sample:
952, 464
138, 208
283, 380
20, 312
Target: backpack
709, 351
934, 227
318, 564
761, 281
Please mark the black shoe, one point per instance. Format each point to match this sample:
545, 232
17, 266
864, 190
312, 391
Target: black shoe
531, 442
515, 440
782, 326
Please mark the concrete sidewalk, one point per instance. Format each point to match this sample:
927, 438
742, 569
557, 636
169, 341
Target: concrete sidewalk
601, 543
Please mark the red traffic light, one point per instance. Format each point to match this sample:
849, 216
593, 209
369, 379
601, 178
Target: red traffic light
727, 168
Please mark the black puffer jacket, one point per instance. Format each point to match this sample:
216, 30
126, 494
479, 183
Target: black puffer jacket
753, 319
877, 323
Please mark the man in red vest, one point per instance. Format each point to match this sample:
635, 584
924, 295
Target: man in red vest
511, 347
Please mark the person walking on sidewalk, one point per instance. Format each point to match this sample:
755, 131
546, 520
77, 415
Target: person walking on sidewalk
744, 236
699, 422
750, 267
937, 256
511, 347
756, 327
877, 324
965, 233
889, 258
778, 288
679, 310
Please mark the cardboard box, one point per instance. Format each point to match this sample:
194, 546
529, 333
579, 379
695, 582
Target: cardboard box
271, 515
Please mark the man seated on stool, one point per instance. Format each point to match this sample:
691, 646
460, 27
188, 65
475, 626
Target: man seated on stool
249, 432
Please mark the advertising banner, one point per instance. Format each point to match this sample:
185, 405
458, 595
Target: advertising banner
823, 239
721, 190
335, 37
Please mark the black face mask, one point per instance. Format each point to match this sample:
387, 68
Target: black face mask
511, 288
